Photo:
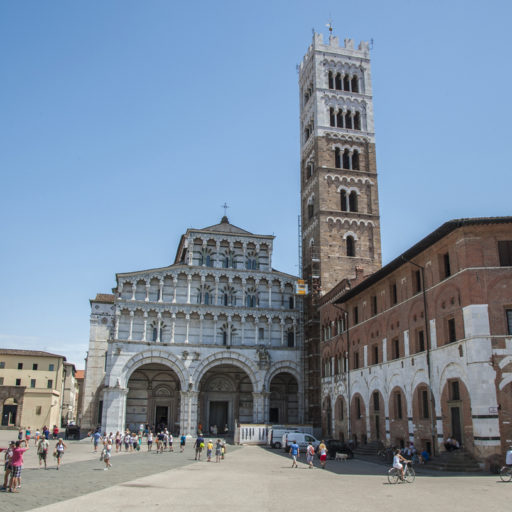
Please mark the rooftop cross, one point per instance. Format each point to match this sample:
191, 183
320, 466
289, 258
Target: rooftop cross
225, 206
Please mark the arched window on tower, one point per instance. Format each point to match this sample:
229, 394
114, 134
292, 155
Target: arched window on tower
290, 339
357, 121
355, 160
224, 338
337, 158
332, 117
348, 120
338, 81
155, 334
343, 198
311, 210
351, 246
331, 80
309, 170
355, 84
339, 119
290, 303
346, 83
352, 201
346, 159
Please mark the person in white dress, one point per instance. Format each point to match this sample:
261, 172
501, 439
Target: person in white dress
397, 462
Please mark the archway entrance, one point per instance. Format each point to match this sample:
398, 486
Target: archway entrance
153, 398
284, 400
10, 408
225, 396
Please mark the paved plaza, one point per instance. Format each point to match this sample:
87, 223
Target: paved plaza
249, 479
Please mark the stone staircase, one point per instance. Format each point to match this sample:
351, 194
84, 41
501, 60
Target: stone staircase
368, 451
458, 461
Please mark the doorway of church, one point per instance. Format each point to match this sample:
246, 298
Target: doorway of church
161, 416
218, 417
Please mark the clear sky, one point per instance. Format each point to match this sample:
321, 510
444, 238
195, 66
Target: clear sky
123, 123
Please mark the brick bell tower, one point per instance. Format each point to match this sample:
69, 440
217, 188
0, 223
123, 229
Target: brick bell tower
339, 193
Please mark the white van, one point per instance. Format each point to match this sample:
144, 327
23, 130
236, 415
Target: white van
276, 436
301, 438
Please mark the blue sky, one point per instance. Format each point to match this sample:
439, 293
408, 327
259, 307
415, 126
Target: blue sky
123, 123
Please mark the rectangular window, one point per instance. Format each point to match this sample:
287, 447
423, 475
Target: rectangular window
18, 382
393, 294
416, 281
398, 405
261, 333
424, 403
452, 335
51, 367
356, 360
20, 366
32, 383
2, 365
505, 253
100, 412
376, 354
376, 401
446, 271
421, 341
455, 390
374, 305
395, 347
34, 366
356, 315
509, 324
38, 410
50, 384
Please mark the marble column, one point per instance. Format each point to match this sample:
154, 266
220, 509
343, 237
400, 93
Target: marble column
144, 332
114, 407
131, 326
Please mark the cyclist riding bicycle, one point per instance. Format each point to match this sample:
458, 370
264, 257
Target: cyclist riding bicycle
397, 462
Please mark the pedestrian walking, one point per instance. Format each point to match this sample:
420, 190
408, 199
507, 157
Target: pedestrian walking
42, 451
59, 451
218, 450
171, 439
223, 450
199, 445
17, 464
150, 440
310, 455
118, 441
106, 454
322, 450
27, 434
294, 452
96, 438
8, 464
183, 440
209, 450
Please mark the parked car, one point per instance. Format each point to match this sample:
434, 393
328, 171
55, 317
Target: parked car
335, 446
276, 436
301, 438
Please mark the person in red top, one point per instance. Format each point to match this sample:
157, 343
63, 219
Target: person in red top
17, 464
55, 432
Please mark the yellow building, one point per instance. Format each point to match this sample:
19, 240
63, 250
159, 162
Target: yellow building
31, 388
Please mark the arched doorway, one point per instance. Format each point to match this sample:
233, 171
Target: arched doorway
153, 398
225, 396
9, 411
284, 399
377, 423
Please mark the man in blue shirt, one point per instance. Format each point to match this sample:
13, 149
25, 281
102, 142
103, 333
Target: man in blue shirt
96, 437
294, 451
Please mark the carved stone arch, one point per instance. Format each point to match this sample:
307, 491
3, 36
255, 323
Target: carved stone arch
153, 356
350, 233
452, 370
283, 367
228, 358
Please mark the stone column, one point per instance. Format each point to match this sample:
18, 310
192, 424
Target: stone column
189, 282
147, 292
201, 318
114, 406
242, 321
295, 344
216, 290
270, 294
282, 332
269, 321
175, 285
258, 406
187, 321
217, 261
158, 326
144, 332
228, 337
131, 326
116, 328
120, 288
188, 412
215, 318
173, 325
161, 291
134, 289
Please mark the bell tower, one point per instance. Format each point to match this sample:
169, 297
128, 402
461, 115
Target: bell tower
340, 224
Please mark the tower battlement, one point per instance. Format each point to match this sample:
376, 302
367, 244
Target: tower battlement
333, 46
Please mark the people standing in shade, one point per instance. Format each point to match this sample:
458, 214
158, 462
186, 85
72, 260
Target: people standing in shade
199, 445
150, 440
96, 439
322, 450
310, 455
59, 451
171, 439
42, 451
218, 450
183, 440
294, 452
17, 464
118, 441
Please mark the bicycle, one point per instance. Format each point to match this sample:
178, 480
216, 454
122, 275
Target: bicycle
506, 473
395, 475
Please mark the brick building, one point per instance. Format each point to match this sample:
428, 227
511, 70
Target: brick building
422, 349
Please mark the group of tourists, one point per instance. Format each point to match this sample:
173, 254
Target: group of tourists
26, 434
200, 444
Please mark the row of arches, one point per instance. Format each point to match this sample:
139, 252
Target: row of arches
343, 82
346, 159
344, 119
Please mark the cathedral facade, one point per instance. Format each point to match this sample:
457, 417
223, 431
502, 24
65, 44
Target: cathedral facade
203, 344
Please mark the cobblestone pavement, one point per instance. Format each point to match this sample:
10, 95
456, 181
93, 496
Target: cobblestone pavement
250, 479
